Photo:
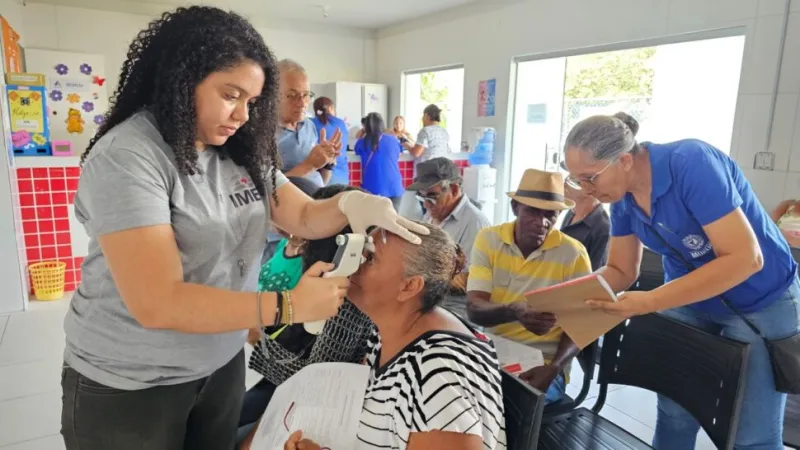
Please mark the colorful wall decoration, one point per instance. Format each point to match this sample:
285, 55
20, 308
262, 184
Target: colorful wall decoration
486, 98
27, 107
77, 93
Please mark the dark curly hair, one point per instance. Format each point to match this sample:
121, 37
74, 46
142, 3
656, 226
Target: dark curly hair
167, 61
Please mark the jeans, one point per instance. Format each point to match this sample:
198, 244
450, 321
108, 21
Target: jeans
761, 417
254, 405
199, 415
556, 391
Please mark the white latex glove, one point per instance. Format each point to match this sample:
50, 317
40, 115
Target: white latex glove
365, 210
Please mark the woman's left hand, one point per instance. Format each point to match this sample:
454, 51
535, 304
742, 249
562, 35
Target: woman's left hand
628, 304
364, 210
296, 442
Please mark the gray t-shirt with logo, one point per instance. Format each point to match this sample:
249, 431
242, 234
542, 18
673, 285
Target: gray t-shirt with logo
219, 220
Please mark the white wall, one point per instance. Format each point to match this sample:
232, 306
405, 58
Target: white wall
14, 295
486, 36
329, 53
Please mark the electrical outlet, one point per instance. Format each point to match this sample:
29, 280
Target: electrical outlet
764, 161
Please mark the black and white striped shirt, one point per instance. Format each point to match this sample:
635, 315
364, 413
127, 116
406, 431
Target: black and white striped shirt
444, 381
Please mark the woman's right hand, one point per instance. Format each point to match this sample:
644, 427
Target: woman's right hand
316, 298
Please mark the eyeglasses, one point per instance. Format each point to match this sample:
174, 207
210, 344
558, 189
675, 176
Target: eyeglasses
587, 183
295, 96
431, 198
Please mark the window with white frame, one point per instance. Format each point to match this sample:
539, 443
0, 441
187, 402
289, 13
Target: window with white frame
441, 87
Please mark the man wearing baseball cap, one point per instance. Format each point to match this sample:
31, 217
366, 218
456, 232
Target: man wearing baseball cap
438, 188
520, 256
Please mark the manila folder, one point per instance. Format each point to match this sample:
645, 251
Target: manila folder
568, 302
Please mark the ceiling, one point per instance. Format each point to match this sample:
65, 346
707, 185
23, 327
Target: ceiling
369, 14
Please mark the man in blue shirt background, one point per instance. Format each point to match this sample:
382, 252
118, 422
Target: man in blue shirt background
304, 153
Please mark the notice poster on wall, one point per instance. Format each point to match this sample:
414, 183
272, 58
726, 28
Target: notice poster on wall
486, 98
76, 93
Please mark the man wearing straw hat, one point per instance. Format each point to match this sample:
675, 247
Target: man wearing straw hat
526, 254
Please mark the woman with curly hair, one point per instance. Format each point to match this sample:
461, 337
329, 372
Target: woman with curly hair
176, 194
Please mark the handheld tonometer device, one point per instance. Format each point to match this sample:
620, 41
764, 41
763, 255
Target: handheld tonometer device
349, 256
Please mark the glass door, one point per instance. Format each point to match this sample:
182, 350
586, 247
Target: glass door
538, 112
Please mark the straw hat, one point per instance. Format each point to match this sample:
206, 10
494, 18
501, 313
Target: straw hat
543, 190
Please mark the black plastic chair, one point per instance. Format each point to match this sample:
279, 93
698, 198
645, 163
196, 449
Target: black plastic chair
702, 372
651, 272
586, 358
523, 405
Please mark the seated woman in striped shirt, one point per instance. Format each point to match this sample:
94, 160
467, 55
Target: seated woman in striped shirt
435, 382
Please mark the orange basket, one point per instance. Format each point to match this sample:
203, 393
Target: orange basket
48, 279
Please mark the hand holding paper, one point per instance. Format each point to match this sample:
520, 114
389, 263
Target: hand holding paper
628, 304
538, 323
569, 302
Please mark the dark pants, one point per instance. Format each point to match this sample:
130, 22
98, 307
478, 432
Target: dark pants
198, 415
253, 407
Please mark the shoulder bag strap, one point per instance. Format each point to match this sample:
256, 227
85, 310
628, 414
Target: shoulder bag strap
690, 267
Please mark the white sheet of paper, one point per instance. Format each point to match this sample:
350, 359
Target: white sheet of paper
323, 400
514, 357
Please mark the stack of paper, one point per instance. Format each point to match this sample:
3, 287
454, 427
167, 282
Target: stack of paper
514, 357
323, 400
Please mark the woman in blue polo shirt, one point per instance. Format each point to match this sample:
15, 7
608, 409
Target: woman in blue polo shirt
380, 152
325, 119
688, 197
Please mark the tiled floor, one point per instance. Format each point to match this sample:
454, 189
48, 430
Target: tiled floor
31, 346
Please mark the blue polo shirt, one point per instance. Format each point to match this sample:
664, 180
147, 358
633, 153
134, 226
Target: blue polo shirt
695, 184
380, 169
295, 145
341, 172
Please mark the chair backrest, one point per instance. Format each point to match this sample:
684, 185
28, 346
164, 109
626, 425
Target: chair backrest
523, 405
587, 358
702, 372
651, 272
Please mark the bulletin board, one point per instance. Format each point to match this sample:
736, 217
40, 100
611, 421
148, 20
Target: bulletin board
76, 93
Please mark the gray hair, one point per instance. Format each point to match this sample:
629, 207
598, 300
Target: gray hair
437, 260
605, 137
289, 66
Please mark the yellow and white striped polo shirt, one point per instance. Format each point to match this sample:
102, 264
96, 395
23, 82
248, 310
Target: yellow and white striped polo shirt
499, 268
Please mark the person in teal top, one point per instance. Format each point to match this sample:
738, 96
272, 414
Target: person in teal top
283, 271
325, 119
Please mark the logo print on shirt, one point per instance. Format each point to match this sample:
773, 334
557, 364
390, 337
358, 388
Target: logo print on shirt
244, 191
697, 245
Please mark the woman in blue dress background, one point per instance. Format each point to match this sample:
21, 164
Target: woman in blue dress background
380, 152
325, 119
692, 204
